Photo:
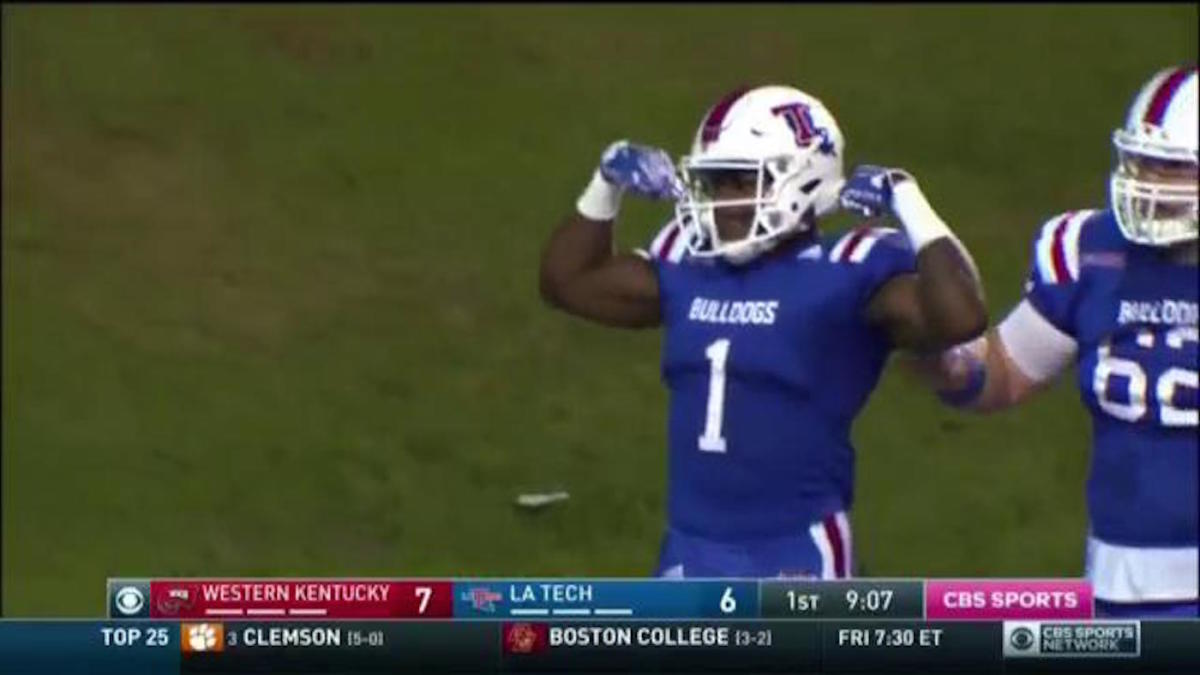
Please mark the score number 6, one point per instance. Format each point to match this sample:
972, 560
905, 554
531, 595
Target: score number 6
728, 603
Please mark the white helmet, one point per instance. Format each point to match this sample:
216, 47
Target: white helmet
794, 145
1160, 130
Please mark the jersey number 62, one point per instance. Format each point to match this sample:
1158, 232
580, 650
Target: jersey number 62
1170, 412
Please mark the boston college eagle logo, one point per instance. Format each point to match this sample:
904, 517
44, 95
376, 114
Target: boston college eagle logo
524, 638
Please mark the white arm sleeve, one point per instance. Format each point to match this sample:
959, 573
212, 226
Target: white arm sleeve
1034, 344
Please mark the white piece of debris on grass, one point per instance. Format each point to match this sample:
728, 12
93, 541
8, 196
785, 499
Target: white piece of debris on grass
537, 500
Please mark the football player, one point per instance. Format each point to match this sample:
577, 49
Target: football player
774, 334
1113, 292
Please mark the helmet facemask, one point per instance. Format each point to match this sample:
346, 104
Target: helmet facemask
1153, 190
782, 201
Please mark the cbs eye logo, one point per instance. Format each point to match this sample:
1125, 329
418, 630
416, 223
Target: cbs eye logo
129, 601
1021, 638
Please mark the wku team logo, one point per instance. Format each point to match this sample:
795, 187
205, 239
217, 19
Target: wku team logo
799, 118
482, 599
174, 601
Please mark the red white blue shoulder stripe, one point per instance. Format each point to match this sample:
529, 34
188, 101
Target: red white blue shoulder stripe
1056, 251
856, 245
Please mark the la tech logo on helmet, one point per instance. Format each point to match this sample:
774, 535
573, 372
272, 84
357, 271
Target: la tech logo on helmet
799, 118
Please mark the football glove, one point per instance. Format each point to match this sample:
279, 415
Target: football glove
646, 171
869, 189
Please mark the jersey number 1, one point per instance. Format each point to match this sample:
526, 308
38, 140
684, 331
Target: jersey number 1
712, 440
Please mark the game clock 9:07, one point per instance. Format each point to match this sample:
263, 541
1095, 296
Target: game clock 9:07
872, 601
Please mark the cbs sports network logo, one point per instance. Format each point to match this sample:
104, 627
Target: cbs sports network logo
1073, 639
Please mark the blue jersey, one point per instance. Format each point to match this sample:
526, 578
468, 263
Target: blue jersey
1133, 316
767, 365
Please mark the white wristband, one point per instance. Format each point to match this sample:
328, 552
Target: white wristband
922, 223
601, 200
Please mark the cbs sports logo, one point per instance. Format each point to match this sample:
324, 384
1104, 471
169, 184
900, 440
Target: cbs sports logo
129, 601
1047, 639
129, 598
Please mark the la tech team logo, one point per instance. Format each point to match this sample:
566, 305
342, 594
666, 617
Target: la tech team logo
483, 599
202, 637
799, 118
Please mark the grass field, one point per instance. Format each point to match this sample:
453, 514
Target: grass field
269, 278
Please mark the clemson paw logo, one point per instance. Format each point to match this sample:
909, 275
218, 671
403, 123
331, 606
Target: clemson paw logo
203, 637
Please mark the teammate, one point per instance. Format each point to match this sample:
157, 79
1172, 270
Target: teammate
775, 335
1114, 291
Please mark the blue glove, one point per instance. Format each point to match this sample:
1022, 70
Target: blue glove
645, 171
869, 189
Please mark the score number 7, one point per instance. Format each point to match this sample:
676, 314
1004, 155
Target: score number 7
423, 593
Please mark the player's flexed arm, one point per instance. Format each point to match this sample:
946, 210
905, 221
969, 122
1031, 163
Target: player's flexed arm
1034, 343
580, 272
942, 304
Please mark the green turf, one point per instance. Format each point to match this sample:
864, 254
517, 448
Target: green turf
269, 278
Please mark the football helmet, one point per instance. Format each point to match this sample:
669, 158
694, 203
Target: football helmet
1153, 187
793, 146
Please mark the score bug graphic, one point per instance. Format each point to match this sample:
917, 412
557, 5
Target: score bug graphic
202, 637
630, 625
